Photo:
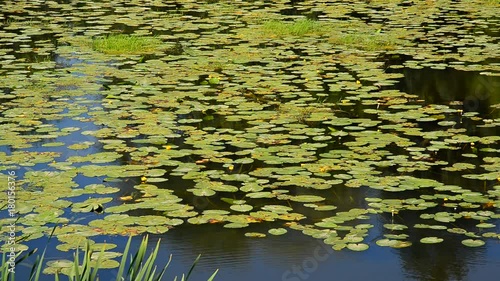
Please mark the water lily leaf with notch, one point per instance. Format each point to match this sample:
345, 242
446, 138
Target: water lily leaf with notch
71, 242
53, 267
100, 157
326, 224
241, 207
357, 247
105, 263
325, 208
277, 231
100, 189
198, 220
431, 240
53, 144
291, 217
264, 216
157, 179
485, 225
445, 217
392, 226
393, 243
216, 186
396, 236
251, 187
237, 177
278, 209
352, 238
202, 192
484, 176
151, 220
81, 146
263, 194
236, 225
91, 205
157, 229
154, 173
216, 212
473, 242
457, 230
106, 246
307, 198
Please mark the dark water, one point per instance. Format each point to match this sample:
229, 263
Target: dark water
295, 256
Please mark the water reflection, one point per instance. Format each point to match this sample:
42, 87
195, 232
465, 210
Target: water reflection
476, 91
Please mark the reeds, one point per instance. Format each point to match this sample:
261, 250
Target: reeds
139, 267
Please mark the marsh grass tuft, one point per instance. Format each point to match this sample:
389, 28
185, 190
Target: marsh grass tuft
297, 28
350, 35
363, 41
125, 44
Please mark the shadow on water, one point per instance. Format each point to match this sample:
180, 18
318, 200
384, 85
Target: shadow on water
475, 91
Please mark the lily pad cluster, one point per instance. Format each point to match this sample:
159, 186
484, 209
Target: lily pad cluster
317, 125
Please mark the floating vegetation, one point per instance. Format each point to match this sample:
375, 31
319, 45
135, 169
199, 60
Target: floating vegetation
336, 121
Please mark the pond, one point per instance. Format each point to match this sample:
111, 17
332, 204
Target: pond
281, 140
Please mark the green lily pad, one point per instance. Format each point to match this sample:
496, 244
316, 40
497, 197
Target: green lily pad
395, 226
473, 243
277, 231
431, 240
241, 207
236, 225
255, 234
307, 198
358, 247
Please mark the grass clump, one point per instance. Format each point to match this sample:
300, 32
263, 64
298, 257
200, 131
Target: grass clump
369, 42
118, 44
297, 28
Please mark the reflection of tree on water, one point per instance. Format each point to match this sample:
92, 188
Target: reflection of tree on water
477, 92
449, 260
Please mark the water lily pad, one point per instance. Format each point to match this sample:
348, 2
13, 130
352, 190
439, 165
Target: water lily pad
358, 247
277, 231
395, 226
241, 207
307, 198
473, 243
236, 225
431, 240
255, 234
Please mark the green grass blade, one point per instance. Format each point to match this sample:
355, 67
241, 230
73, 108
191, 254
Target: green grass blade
192, 267
160, 276
213, 276
138, 259
123, 260
145, 269
38, 264
152, 259
4, 268
76, 265
30, 253
86, 262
